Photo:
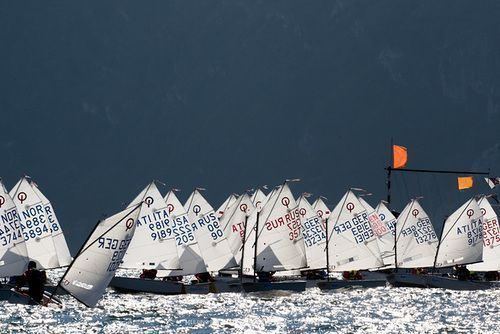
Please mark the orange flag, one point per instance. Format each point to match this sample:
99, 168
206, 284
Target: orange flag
465, 182
399, 156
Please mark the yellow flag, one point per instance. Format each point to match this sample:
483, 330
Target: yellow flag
399, 156
465, 182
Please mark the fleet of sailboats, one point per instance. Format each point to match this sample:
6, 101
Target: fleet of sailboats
253, 242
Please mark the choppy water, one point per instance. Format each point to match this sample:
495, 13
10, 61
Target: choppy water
381, 310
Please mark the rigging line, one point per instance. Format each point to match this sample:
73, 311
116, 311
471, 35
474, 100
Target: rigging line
403, 178
449, 230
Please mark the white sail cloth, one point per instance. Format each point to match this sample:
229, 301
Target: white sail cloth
491, 239
416, 240
153, 245
280, 244
462, 237
214, 247
314, 234
13, 252
93, 268
352, 244
226, 205
233, 224
190, 259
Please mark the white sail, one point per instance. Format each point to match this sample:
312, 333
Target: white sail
153, 245
352, 244
58, 238
491, 239
385, 239
93, 268
321, 209
13, 252
385, 233
462, 237
280, 243
209, 234
259, 199
226, 205
190, 259
35, 225
233, 224
314, 234
416, 240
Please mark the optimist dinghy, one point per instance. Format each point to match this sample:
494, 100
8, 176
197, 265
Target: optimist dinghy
351, 244
273, 242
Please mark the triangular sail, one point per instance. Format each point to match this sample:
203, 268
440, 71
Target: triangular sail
13, 253
190, 259
314, 234
233, 224
209, 234
259, 199
36, 227
462, 237
153, 245
58, 238
321, 209
93, 268
226, 205
352, 243
491, 239
416, 240
385, 233
280, 244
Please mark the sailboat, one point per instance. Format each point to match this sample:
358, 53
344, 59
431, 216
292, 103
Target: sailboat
31, 230
351, 243
461, 243
385, 233
416, 245
273, 242
314, 233
213, 243
95, 265
491, 242
152, 248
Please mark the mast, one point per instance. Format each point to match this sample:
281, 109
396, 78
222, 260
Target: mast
327, 255
243, 248
255, 248
389, 169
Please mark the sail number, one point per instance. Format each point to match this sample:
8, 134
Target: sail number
313, 232
119, 247
422, 231
211, 223
359, 227
491, 232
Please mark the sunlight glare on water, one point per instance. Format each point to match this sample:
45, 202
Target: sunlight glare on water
381, 310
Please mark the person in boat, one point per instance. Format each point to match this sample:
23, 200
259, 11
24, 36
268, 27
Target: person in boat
148, 274
462, 273
352, 275
204, 277
35, 279
491, 276
314, 274
173, 278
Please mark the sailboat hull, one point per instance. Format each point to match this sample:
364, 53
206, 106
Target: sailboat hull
20, 297
293, 286
139, 285
403, 280
343, 284
455, 284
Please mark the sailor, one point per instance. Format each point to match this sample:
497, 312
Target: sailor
462, 273
148, 274
36, 281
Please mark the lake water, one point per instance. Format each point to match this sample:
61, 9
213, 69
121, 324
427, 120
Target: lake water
380, 310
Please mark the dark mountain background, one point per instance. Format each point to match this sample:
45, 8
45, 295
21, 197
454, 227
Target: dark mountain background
98, 98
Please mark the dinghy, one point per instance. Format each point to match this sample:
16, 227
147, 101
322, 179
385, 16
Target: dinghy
95, 264
30, 231
152, 248
491, 243
461, 243
351, 244
273, 242
213, 243
416, 245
